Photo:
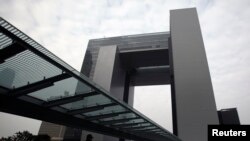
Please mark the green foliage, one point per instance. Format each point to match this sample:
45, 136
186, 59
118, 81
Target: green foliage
19, 136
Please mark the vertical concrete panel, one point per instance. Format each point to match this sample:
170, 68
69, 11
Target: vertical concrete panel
105, 66
110, 75
118, 78
195, 103
131, 95
128, 96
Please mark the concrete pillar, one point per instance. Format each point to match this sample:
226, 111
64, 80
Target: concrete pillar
192, 88
110, 75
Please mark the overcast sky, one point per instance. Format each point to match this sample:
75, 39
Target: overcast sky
64, 28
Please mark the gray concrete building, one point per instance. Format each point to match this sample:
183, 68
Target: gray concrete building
229, 116
175, 58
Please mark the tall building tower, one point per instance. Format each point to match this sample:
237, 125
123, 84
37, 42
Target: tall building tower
176, 58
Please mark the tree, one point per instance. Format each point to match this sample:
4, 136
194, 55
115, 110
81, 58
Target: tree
19, 136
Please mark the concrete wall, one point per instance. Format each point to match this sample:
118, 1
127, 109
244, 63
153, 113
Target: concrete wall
110, 75
195, 103
157, 40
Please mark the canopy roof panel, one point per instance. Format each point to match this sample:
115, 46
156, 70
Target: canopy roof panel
31, 74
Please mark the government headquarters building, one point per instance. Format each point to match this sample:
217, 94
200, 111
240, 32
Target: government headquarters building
99, 99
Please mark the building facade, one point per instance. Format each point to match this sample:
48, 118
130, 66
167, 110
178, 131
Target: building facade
176, 58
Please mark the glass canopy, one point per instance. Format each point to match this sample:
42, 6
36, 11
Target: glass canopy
30, 73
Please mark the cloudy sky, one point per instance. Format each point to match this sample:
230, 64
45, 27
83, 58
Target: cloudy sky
64, 28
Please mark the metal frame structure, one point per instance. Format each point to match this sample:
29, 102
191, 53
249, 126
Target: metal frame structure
22, 57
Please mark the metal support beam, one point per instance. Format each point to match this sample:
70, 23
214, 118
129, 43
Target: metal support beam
144, 129
10, 51
106, 115
45, 57
119, 120
156, 130
134, 128
128, 125
38, 85
90, 109
41, 113
70, 99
